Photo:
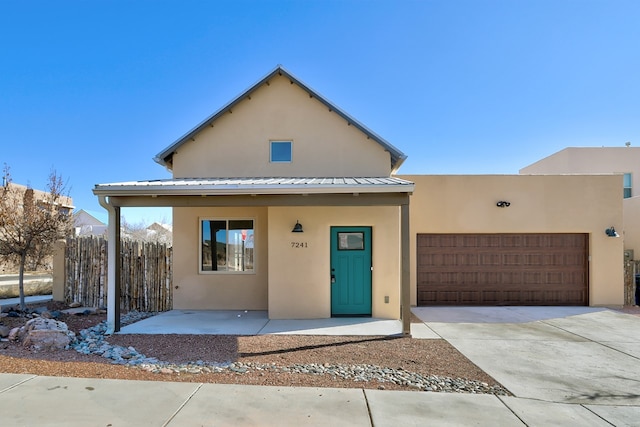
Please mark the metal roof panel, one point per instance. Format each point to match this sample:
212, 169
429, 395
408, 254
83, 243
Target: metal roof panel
231, 186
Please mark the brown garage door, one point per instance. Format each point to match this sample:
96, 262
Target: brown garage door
502, 269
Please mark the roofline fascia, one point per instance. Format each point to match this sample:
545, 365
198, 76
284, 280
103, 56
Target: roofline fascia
154, 191
397, 156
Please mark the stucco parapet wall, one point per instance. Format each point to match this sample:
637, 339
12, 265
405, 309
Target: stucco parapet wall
568, 174
40, 195
234, 186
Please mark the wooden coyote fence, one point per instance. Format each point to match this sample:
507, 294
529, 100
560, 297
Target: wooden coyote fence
145, 273
631, 268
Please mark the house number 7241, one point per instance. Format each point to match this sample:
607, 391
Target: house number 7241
299, 245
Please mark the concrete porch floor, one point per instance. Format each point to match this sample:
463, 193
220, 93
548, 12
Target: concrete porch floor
240, 322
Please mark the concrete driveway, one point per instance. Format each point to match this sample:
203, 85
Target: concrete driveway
584, 355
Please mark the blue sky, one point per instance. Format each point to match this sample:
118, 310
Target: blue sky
94, 89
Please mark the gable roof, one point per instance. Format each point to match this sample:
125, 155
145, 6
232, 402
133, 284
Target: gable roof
85, 217
165, 157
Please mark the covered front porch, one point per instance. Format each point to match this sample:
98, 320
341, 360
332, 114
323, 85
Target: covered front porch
292, 277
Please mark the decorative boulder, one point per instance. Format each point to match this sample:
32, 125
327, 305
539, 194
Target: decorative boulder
44, 334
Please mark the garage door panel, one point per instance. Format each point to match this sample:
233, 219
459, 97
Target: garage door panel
466, 297
502, 269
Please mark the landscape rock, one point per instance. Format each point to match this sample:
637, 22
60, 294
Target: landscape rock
14, 334
8, 308
47, 339
4, 331
43, 334
40, 310
75, 304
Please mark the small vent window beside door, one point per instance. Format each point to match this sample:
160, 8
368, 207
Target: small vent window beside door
627, 186
280, 152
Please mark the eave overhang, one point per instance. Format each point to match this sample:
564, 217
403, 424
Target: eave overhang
253, 186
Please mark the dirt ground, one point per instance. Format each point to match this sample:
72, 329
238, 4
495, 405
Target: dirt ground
427, 357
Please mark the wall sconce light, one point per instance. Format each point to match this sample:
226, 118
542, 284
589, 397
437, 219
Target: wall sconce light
297, 228
503, 204
611, 232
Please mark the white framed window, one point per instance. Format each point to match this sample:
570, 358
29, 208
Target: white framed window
280, 152
627, 186
226, 245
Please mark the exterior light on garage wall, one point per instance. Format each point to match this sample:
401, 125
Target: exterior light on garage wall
611, 232
503, 204
297, 228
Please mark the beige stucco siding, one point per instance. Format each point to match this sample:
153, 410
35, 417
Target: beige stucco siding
539, 204
217, 291
591, 160
290, 282
237, 145
601, 160
299, 278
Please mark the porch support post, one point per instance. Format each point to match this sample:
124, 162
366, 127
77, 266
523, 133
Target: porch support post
113, 270
405, 288
115, 256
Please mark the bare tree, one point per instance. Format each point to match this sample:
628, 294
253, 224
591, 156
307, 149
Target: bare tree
30, 225
154, 233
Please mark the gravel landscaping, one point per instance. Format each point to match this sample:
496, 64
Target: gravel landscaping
392, 363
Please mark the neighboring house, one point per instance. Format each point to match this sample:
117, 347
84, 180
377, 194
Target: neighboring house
154, 233
283, 202
89, 223
624, 162
41, 198
161, 233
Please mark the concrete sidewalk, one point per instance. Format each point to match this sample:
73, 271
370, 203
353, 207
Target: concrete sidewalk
9, 302
57, 401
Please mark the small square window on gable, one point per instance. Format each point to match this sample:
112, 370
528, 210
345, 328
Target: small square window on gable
280, 152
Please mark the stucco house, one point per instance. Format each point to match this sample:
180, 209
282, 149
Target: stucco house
88, 223
277, 160
621, 161
283, 202
42, 199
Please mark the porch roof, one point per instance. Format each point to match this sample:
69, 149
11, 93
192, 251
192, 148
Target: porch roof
255, 186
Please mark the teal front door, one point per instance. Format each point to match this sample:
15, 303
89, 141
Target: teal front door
351, 271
